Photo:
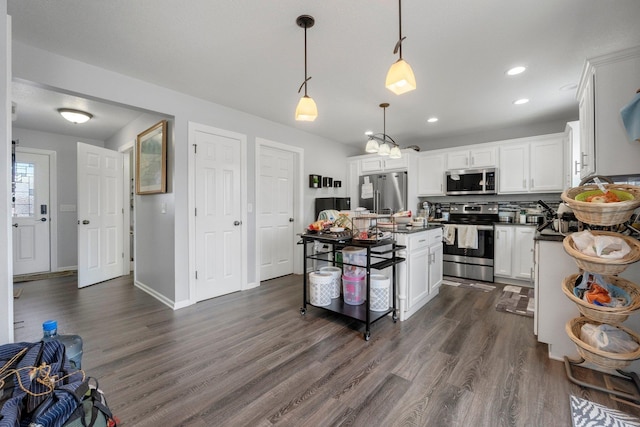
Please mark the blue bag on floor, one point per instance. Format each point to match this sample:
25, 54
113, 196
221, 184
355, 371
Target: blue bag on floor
35, 379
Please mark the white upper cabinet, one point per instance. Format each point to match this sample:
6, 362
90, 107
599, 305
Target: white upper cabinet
513, 173
547, 164
608, 83
586, 161
532, 165
473, 158
431, 174
382, 164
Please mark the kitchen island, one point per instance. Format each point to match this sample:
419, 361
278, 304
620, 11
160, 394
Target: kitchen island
420, 277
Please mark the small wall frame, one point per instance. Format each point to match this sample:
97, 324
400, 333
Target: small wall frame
315, 181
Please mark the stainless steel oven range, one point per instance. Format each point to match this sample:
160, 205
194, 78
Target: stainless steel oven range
471, 263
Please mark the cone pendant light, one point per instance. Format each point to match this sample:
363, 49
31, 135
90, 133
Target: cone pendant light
400, 78
306, 109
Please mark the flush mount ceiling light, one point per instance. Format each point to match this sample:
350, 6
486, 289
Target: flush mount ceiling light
306, 110
377, 142
521, 101
400, 78
75, 116
432, 119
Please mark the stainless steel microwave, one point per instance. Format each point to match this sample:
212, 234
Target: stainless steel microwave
471, 181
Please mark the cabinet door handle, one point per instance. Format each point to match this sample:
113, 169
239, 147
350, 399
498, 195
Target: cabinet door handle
532, 183
575, 167
524, 183
473, 161
582, 156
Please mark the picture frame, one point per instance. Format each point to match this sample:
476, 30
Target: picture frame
151, 160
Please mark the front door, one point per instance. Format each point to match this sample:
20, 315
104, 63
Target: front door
100, 214
275, 216
218, 213
31, 233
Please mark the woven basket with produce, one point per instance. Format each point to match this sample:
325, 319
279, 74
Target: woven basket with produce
621, 289
590, 205
598, 264
606, 359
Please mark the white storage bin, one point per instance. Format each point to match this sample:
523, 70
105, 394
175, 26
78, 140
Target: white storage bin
320, 288
379, 292
336, 274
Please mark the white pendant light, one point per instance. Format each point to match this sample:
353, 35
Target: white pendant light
395, 152
400, 78
307, 110
372, 146
382, 143
75, 116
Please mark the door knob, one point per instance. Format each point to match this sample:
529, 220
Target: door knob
43, 219
290, 219
85, 222
236, 223
15, 225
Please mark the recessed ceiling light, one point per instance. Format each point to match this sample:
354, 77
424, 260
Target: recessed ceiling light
432, 119
521, 101
516, 70
368, 133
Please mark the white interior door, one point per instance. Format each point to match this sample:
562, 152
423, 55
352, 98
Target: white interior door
218, 220
275, 216
100, 214
31, 231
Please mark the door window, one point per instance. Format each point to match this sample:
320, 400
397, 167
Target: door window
24, 195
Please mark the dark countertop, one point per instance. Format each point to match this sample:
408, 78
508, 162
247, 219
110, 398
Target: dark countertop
548, 235
413, 229
516, 224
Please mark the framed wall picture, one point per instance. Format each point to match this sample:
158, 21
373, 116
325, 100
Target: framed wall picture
151, 160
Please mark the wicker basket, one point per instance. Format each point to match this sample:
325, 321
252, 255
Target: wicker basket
601, 358
611, 315
605, 266
605, 214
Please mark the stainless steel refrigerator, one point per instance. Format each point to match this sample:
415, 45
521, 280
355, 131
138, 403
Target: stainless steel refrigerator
383, 192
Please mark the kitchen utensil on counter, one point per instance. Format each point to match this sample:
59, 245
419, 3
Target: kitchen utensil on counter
535, 219
506, 217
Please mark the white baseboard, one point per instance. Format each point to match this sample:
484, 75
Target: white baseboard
68, 268
166, 301
252, 285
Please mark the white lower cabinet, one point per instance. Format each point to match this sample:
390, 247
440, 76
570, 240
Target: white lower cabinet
513, 251
420, 276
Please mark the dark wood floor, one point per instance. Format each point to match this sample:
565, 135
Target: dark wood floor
251, 359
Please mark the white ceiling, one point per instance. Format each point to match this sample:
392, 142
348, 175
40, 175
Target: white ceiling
248, 55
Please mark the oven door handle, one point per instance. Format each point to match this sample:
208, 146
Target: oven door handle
480, 227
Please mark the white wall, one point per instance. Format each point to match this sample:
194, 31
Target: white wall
66, 167
153, 258
322, 156
6, 264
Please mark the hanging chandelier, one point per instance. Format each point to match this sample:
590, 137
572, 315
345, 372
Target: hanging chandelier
306, 109
400, 78
382, 143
